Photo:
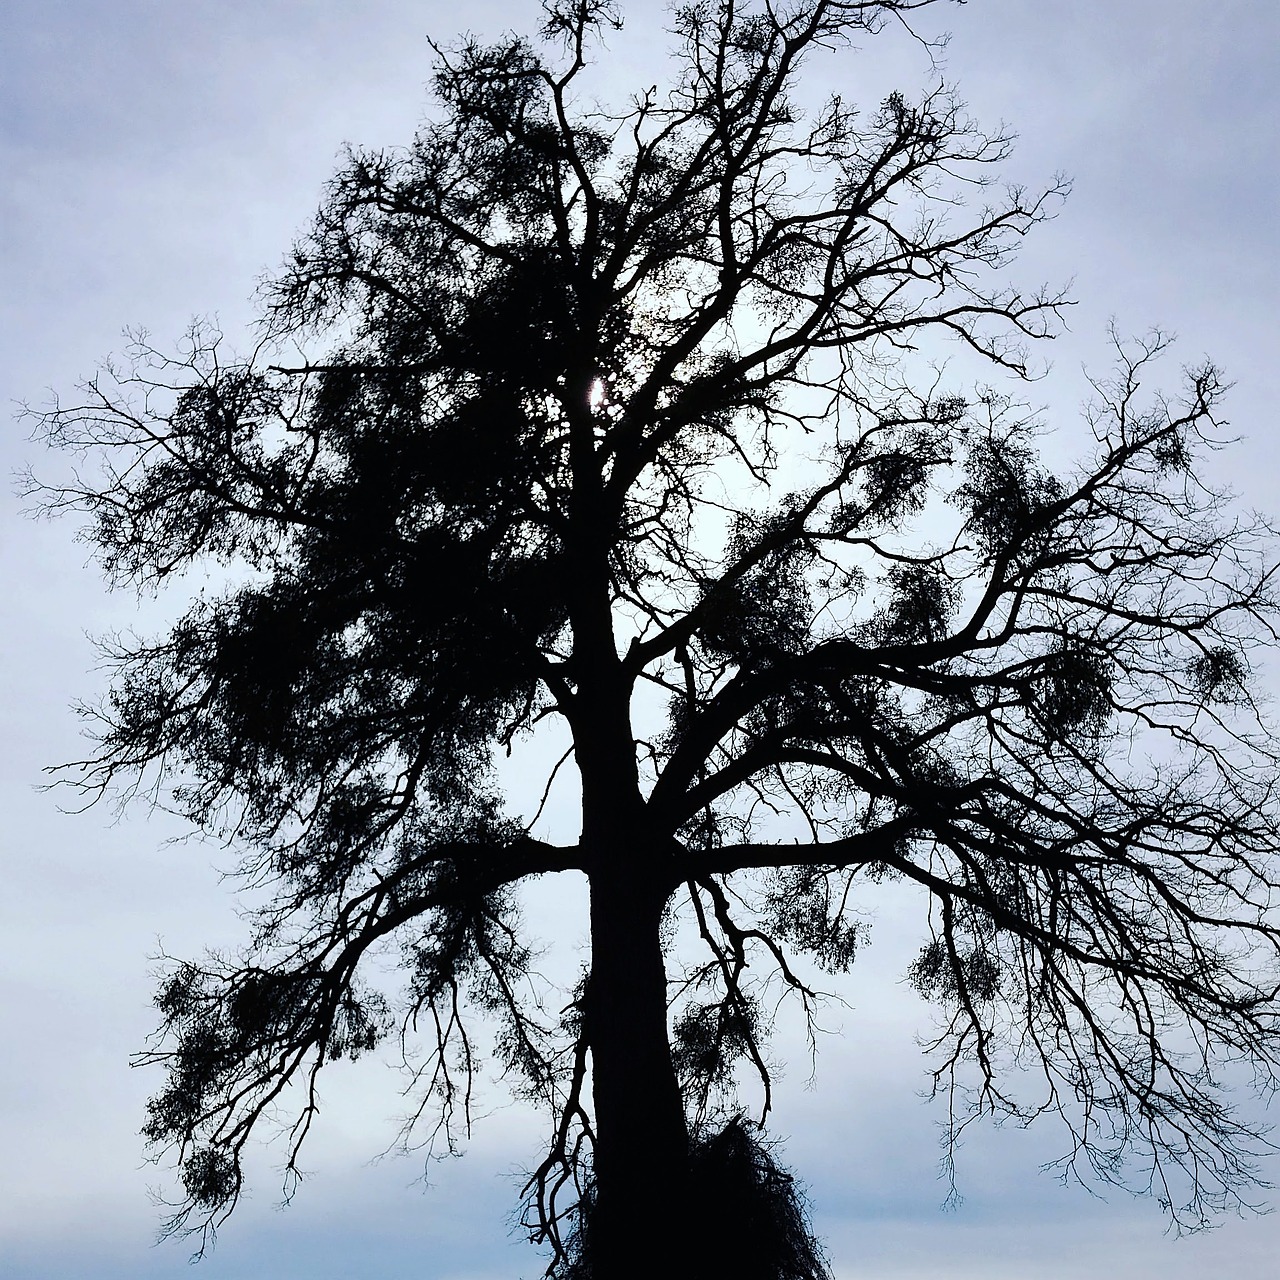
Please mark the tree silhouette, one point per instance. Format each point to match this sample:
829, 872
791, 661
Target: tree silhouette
614, 420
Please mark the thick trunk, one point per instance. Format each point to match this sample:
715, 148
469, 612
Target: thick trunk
641, 1152
642, 1142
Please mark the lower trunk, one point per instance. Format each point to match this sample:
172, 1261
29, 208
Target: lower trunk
641, 1159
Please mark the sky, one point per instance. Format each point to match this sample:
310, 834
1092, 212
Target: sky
158, 158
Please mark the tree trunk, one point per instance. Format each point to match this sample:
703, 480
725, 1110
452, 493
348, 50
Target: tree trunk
641, 1161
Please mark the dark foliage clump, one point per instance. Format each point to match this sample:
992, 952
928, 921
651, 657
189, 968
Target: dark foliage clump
745, 1218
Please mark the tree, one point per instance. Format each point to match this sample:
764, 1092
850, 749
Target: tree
611, 425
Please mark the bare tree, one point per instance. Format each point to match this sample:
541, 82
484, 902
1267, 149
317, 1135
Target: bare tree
613, 420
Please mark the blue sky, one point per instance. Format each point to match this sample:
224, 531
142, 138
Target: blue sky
157, 158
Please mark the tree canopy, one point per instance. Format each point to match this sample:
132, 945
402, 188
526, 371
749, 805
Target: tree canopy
613, 426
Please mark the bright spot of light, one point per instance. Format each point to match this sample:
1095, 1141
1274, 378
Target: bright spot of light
597, 394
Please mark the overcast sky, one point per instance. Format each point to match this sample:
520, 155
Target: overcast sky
156, 158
